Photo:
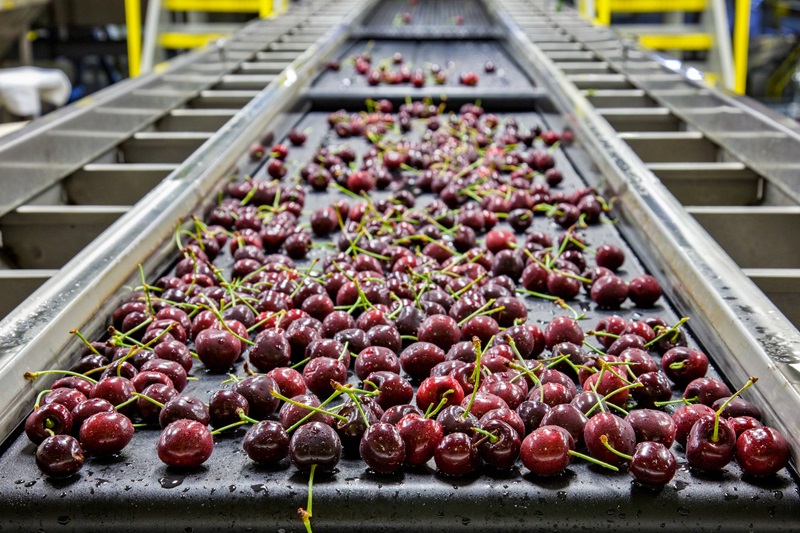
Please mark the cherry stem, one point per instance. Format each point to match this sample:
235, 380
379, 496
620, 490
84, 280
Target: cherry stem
685, 401
39, 398
604, 441
492, 437
300, 363
145, 397
750, 383
593, 460
33, 376
244, 417
305, 514
476, 375
668, 331
78, 334
230, 426
431, 413
305, 406
300, 422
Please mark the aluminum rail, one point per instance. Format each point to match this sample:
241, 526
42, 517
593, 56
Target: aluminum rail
743, 330
36, 335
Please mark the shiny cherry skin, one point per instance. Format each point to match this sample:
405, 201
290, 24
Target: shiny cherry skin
266, 442
652, 465
257, 390
685, 417
224, 406
651, 425
440, 330
433, 390
563, 329
762, 451
682, 364
502, 449
456, 456
382, 448
545, 451
394, 389
52, 416
106, 433
315, 444
619, 433
703, 451
421, 437
185, 444
59, 456
218, 349
271, 350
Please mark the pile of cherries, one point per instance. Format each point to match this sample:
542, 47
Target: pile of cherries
395, 70
407, 339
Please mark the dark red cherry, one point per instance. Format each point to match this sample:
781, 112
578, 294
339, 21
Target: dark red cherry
224, 406
455, 455
218, 349
563, 329
545, 451
501, 450
706, 390
685, 417
184, 406
271, 350
88, 408
652, 465
266, 442
382, 448
440, 330
419, 358
704, 451
106, 433
289, 381
315, 444
619, 433
610, 257
762, 451
682, 364
59, 456
650, 425
319, 373
185, 444
394, 390
532, 413
257, 390
69, 398
644, 291
53, 416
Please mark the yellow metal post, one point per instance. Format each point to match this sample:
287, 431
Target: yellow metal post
741, 44
266, 8
133, 21
603, 8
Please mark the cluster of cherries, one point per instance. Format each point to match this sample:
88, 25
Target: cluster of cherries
395, 70
409, 341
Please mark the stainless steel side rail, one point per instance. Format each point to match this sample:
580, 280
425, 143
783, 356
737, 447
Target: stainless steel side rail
36, 336
743, 331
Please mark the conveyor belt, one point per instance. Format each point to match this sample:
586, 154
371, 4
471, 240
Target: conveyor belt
103, 154
136, 492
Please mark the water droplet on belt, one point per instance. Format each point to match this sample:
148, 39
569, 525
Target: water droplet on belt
63, 520
30, 483
683, 511
232, 488
171, 481
561, 495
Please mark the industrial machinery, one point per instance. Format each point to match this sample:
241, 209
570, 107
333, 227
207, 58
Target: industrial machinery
704, 187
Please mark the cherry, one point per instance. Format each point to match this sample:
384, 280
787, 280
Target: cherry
613, 325
762, 451
217, 349
330, 348
710, 449
619, 433
142, 380
257, 390
609, 292
292, 413
545, 451
532, 413
88, 408
498, 444
116, 390
157, 392
455, 455
69, 398
570, 418
338, 321
685, 417
289, 381
184, 406
82, 385
271, 350
652, 464
736, 407
454, 418
740, 424
54, 417
224, 407
185, 444
419, 358
644, 291
59, 456
440, 330
437, 389
106, 433
394, 414
639, 361
563, 329
610, 257
171, 369
551, 394
315, 443
382, 448
650, 425
297, 137
682, 364
266, 442
655, 387
394, 390
706, 390
319, 373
